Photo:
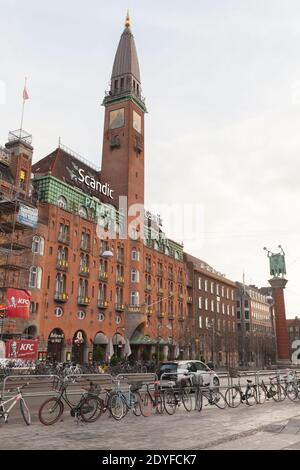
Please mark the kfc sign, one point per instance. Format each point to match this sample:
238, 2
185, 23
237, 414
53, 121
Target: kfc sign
18, 303
22, 349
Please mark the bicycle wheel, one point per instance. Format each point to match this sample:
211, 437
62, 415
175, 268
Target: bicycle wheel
90, 409
117, 406
137, 407
198, 400
292, 392
25, 412
250, 395
260, 394
50, 411
146, 405
282, 393
275, 392
218, 399
233, 397
170, 402
186, 400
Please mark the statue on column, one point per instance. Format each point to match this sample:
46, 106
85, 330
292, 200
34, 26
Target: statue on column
277, 262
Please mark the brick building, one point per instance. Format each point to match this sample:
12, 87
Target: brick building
211, 328
293, 326
255, 324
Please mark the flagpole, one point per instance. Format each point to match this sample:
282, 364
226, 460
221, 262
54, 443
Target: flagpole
23, 106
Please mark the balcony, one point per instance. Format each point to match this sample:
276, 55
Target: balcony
160, 291
170, 276
84, 271
64, 238
149, 311
83, 300
85, 245
159, 272
171, 316
62, 265
103, 276
148, 288
189, 282
61, 297
148, 269
135, 309
119, 307
171, 293
120, 258
180, 296
190, 300
102, 303
181, 318
161, 315
120, 280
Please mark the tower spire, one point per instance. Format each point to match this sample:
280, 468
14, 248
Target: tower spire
127, 20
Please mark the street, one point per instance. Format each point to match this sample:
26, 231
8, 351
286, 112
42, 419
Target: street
268, 426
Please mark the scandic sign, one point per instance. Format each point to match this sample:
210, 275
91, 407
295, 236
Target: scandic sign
18, 303
22, 349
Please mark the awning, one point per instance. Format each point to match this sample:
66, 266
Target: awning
100, 338
139, 338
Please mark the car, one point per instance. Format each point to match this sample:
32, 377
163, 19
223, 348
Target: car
187, 372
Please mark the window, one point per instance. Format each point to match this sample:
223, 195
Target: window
212, 305
206, 285
134, 298
232, 310
199, 283
238, 315
228, 312
200, 302
38, 245
232, 294
83, 212
247, 315
81, 315
101, 317
135, 277
206, 304
58, 312
22, 179
206, 322
62, 202
218, 307
60, 284
211, 287
222, 291
118, 319
218, 289
35, 277
223, 308
200, 322
135, 256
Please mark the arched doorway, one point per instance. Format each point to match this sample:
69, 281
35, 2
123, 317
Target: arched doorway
78, 347
99, 348
55, 345
142, 346
30, 332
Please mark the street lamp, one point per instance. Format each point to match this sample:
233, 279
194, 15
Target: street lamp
211, 326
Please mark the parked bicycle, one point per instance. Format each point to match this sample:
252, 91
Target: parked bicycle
211, 393
121, 401
235, 395
4, 411
88, 409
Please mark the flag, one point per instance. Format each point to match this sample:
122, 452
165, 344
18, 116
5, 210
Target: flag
25, 94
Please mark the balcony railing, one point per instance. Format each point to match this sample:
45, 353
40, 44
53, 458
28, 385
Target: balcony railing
161, 314
102, 303
171, 293
103, 275
149, 312
83, 300
61, 296
181, 318
62, 264
148, 288
190, 300
64, 238
84, 271
171, 316
148, 269
120, 280
119, 307
180, 296
160, 291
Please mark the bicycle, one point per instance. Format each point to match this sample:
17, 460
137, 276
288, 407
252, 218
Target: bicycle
211, 393
4, 412
121, 402
152, 401
235, 395
88, 409
274, 390
292, 386
172, 398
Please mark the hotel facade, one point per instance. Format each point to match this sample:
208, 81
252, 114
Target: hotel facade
101, 275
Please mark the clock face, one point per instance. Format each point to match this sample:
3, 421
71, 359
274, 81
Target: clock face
116, 118
137, 122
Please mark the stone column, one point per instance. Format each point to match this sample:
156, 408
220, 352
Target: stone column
282, 338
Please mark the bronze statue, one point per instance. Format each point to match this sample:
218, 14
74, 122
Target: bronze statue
277, 262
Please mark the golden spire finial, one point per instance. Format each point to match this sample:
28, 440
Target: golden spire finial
127, 20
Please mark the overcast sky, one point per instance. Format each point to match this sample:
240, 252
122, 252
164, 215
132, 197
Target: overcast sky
222, 86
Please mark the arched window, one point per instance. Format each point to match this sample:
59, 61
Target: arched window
38, 245
81, 315
60, 283
35, 277
135, 255
62, 202
83, 212
134, 298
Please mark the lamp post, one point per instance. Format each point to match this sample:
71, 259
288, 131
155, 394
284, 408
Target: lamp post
211, 327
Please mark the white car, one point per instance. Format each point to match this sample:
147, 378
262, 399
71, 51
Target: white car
188, 372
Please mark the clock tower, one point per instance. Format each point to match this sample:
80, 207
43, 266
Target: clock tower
123, 140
